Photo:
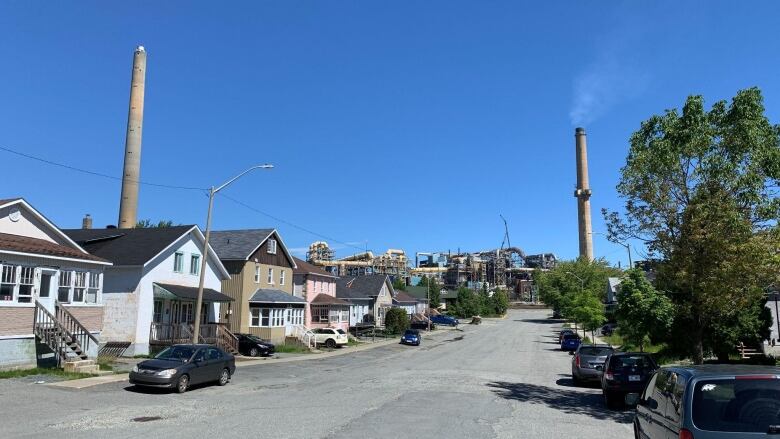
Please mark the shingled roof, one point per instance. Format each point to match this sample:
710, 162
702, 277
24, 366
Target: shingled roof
303, 267
402, 297
238, 244
127, 246
360, 287
25, 244
274, 296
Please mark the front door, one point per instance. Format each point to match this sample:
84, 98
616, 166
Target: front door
288, 328
47, 290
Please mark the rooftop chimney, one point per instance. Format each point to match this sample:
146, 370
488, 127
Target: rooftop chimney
583, 193
128, 203
86, 223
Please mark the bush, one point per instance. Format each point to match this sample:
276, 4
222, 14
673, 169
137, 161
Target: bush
396, 321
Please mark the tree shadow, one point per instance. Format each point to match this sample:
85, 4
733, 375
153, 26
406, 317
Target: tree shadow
542, 321
564, 400
568, 382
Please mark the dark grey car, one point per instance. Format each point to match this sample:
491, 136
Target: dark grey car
179, 366
710, 402
588, 362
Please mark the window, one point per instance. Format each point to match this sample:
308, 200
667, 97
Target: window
257, 274
281, 277
178, 262
215, 354
195, 264
187, 313
271, 276
63, 290
265, 314
334, 315
676, 388
272, 246
79, 285
277, 317
94, 287
745, 404
7, 282
157, 311
254, 316
319, 313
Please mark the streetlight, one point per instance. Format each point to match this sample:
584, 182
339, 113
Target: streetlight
614, 241
203, 265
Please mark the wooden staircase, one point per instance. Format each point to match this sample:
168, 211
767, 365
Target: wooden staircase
66, 337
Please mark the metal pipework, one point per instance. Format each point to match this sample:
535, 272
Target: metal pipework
131, 174
583, 193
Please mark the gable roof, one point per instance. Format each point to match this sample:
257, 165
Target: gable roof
182, 292
274, 296
128, 246
360, 286
402, 297
8, 201
239, 245
417, 291
324, 299
35, 246
60, 232
303, 267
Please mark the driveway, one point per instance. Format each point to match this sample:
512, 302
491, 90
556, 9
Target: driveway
502, 379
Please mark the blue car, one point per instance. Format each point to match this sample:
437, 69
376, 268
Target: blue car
570, 342
445, 320
412, 337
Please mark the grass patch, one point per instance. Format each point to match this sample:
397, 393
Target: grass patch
352, 342
20, 373
106, 365
292, 349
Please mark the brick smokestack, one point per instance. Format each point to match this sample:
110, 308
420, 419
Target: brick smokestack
583, 193
131, 175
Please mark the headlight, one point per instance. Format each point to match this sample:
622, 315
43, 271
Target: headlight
167, 373
135, 368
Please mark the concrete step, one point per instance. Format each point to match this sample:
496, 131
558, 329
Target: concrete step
85, 366
93, 369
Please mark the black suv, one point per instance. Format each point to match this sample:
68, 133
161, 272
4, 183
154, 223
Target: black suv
625, 372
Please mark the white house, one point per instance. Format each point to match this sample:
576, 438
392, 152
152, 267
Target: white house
149, 293
50, 287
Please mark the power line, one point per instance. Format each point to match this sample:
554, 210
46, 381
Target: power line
97, 174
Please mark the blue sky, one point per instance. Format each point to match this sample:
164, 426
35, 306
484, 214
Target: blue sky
398, 124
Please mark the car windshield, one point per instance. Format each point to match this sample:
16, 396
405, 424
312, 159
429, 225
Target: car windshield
631, 361
181, 353
408, 332
744, 404
595, 351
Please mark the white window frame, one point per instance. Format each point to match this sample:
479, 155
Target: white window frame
270, 276
76, 285
257, 273
194, 264
8, 279
281, 277
65, 275
178, 262
94, 284
254, 314
271, 246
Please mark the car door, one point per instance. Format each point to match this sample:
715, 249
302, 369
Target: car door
656, 426
198, 373
675, 393
216, 362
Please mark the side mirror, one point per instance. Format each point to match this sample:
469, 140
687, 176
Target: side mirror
631, 399
571, 352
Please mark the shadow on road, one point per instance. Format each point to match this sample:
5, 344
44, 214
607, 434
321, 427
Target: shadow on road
565, 400
542, 321
568, 382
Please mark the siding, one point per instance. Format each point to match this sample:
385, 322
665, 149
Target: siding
16, 320
233, 287
274, 335
279, 259
89, 316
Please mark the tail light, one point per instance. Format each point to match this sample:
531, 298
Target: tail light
577, 360
608, 375
686, 434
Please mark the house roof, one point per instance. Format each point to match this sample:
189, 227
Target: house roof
25, 244
360, 287
303, 267
274, 296
614, 282
238, 244
402, 297
8, 200
324, 299
417, 291
127, 246
183, 292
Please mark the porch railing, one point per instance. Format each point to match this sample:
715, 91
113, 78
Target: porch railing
79, 332
226, 339
170, 333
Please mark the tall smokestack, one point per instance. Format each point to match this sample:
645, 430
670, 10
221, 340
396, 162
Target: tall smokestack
86, 223
583, 194
131, 175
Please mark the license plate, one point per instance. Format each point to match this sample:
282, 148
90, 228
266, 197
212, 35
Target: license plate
634, 378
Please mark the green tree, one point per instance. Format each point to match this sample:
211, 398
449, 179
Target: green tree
147, 224
559, 287
399, 284
434, 290
699, 189
643, 313
499, 302
396, 320
468, 303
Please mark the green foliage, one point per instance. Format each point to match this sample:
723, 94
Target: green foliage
19, 373
700, 191
434, 289
148, 224
399, 284
396, 321
484, 303
499, 302
643, 314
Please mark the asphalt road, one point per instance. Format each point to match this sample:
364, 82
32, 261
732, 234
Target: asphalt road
502, 379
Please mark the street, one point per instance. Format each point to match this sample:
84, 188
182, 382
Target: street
503, 379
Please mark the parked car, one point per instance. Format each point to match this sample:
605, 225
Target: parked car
710, 401
180, 366
330, 337
588, 362
445, 320
421, 325
253, 346
563, 332
608, 329
570, 342
412, 337
625, 372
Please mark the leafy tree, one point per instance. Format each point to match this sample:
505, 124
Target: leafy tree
396, 320
399, 284
560, 286
643, 313
588, 310
468, 303
700, 190
147, 224
434, 290
499, 302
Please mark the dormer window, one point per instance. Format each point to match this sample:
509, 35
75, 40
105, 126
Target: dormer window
272, 246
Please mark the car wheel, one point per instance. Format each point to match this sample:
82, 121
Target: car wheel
224, 377
182, 384
254, 352
576, 380
330, 343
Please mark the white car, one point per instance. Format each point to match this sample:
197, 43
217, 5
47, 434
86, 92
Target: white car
330, 337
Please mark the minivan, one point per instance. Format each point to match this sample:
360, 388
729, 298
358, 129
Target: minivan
709, 402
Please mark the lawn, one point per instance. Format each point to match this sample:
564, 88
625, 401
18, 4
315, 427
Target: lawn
292, 349
20, 373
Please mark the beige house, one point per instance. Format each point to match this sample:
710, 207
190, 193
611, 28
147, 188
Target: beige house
261, 283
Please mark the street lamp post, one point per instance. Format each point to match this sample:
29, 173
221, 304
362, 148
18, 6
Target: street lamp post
204, 263
626, 245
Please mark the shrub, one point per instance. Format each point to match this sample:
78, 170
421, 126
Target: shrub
396, 320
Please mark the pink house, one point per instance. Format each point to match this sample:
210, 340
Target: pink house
318, 288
